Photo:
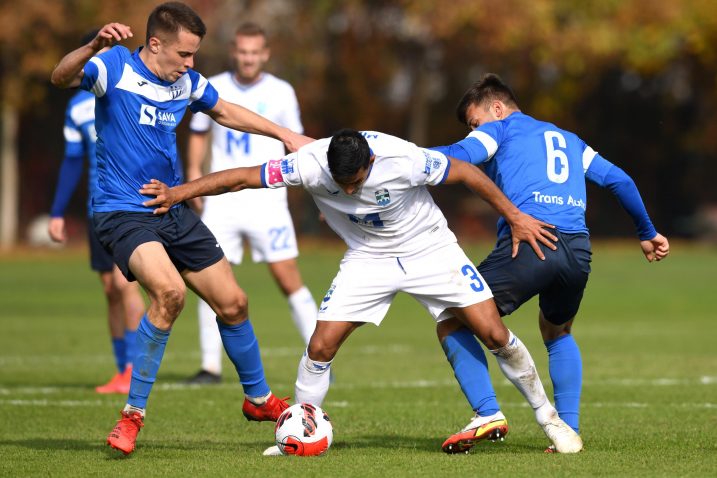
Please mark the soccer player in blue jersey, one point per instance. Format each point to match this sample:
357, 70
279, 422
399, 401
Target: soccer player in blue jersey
125, 305
141, 97
542, 169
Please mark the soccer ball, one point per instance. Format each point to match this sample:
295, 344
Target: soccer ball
304, 430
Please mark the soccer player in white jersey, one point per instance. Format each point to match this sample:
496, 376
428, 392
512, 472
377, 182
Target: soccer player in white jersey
543, 170
371, 187
141, 98
125, 305
264, 218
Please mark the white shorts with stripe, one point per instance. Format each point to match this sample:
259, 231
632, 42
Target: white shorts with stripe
364, 288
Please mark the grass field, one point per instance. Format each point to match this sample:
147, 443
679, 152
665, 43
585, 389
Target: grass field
647, 331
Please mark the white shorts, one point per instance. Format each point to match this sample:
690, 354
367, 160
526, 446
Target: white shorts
266, 225
364, 288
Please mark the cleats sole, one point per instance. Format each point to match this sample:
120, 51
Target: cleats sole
462, 442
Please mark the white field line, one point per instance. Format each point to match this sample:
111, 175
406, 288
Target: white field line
345, 404
266, 352
448, 382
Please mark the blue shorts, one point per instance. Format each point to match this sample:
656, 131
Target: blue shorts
100, 258
188, 242
559, 280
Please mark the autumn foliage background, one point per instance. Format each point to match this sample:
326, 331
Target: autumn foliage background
636, 79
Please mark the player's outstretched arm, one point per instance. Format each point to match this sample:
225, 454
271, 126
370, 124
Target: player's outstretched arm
241, 119
523, 226
221, 182
655, 249
68, 73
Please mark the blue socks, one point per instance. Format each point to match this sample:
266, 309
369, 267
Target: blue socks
119, 349
130, 339
243, 350
150, 344
470, 367
566, 372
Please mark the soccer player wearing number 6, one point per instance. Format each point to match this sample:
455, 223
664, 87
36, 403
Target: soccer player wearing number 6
542, 169
371, 188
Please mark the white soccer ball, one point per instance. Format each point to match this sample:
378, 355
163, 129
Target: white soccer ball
303, 430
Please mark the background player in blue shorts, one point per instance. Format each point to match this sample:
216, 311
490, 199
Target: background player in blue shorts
141, 98
542, 169
125, 305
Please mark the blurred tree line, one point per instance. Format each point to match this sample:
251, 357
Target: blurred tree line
634, 78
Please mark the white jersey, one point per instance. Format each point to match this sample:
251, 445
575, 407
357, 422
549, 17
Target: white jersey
393, 213
270, 97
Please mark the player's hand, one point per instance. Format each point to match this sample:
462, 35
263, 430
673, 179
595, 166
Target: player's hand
526, 228
656, 248
293, 141
56, 229
165, 196
109, 35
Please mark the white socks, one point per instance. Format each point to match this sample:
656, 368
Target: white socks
210, 342
517, 365
303, 312
312, 381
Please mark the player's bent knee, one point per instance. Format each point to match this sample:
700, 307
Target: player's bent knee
171, 303
235, 311
321, 350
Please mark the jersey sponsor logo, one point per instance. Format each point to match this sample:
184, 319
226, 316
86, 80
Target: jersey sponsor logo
333, 193
149, 115
558, 200
383, 197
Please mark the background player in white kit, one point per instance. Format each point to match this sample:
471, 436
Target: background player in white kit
371, 187
261, 216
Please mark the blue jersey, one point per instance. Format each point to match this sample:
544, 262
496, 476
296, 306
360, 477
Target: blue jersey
135, 116
80, 139
542, 170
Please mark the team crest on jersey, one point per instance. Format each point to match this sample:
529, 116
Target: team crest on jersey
175, 91
383, 198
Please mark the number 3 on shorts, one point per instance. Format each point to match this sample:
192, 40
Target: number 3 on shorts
470, 272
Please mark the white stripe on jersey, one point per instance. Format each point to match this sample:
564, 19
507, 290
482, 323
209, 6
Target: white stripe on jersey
137, 84
201, 86
588, 156
72, 135
100, 86
488, 143
83, 111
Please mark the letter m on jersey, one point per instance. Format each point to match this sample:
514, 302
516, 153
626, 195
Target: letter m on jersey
238, 140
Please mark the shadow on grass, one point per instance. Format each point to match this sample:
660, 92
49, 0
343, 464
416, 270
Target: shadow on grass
428, 444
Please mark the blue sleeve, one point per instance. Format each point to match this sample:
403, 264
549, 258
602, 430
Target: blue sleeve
455, 151
204, 96
70, 174
606, 174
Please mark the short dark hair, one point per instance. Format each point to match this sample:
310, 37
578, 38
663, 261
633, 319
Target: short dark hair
348, 153
490, 87
250, 29
170, 17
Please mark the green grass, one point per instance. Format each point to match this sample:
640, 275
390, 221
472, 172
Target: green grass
647, 332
